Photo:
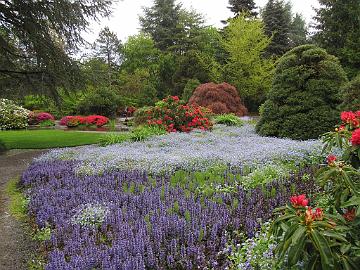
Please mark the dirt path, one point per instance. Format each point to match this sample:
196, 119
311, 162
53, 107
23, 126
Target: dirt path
15, 246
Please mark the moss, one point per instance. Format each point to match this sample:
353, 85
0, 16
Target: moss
18, 202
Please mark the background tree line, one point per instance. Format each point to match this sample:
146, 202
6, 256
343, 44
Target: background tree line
174, 52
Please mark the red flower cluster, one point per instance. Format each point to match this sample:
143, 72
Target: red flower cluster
174, 116
350, 214
299, 201
331, 159
355, 137
351, 118
97, 120
311, 215
130, 111
74, 121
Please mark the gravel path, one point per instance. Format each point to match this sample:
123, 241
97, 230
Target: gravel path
15, 245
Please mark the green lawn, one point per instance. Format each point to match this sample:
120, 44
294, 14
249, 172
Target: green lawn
40, 139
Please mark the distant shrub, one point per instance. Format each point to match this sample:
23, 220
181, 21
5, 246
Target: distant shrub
102, 101
141, 115
97, 120
47, 123
12, 116
351, 95
219, 98
304, 95
43, 116
228, 119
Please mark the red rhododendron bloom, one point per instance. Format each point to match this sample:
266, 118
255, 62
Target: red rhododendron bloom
357, 113
347, 117
331, 159
318, 214
300, 200
349, 215
355, 137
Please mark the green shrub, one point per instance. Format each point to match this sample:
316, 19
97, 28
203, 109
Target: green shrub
304, 95
100, 101
351, 95
228, 119
144, 132
12, 116
114, 137
138, 134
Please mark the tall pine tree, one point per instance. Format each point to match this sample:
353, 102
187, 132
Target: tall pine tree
338, 31
298, 31
161, 21
241, 6
277, 20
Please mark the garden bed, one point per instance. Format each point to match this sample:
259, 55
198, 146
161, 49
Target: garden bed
175, 201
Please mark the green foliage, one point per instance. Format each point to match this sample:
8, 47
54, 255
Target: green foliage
298, 31
189, 89
246, 69
351, 95
243, 6
102, 101
47, 123
277, 20
36, 38
338, 31
304, 95
114, 137
12, 116
18, 202
314, 238
108, 47
42, 234
228, 119
142, 133
138, 86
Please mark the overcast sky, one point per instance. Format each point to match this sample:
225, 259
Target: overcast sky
124, 20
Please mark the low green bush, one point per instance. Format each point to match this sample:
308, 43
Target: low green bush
228, 119
140, 133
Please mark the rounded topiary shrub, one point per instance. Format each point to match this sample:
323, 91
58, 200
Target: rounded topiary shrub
303, 100
219, 98
351, 95
12, 116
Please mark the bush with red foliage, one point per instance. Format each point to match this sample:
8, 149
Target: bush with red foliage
173, 115
219, 98
130, 111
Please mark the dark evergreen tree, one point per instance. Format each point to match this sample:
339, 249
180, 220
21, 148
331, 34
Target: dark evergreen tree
298, 31
277, 20
161, 22
338, 30
241, 6
36, 39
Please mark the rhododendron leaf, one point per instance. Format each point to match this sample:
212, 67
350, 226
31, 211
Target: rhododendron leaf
297, 246
322, 245
334, 235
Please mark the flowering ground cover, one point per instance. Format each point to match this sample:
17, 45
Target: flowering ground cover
232, 146
175, 201
128, 220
